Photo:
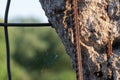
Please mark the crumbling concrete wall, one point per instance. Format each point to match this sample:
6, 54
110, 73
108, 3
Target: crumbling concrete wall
99, 22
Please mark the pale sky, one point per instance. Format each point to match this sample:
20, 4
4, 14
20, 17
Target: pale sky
23, 8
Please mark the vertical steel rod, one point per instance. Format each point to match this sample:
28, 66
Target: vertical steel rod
7, 39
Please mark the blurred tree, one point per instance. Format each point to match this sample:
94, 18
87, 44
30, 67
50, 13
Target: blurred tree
3, 68
36, 54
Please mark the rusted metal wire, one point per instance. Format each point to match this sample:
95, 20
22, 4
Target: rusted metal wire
7, 39
25, 24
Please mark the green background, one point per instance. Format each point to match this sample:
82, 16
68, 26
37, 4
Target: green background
36, 54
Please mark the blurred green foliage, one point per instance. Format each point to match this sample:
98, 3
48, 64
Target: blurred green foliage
36, 54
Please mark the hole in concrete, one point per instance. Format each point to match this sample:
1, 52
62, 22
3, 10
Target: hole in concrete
98, 74
116, 43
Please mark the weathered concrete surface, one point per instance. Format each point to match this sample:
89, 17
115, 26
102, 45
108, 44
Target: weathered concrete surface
99, 22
